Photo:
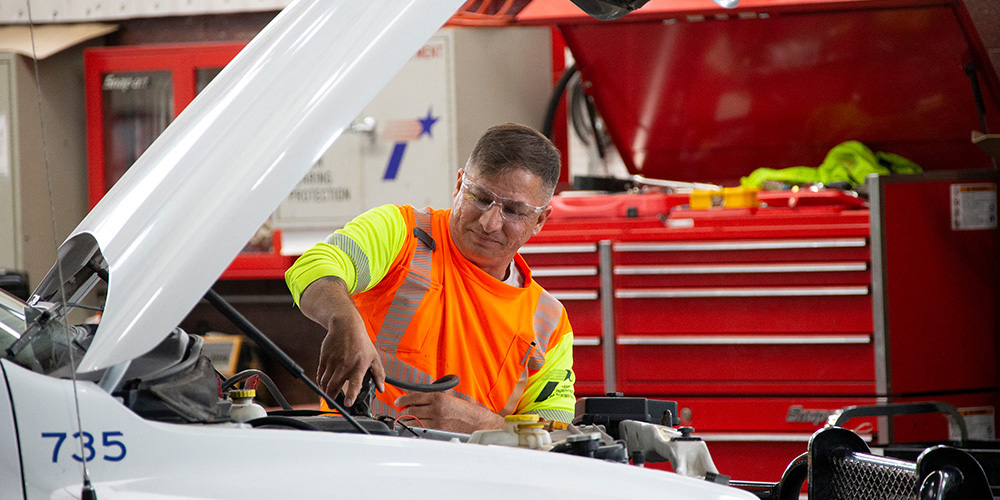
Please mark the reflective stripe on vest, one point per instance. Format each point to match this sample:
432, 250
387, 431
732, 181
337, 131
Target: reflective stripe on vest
560, 415
358, 257
410, 293
548, 311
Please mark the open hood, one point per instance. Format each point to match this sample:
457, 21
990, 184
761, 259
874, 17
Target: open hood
184, 210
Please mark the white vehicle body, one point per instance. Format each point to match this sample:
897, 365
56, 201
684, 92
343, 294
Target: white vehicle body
136, 459
164, 234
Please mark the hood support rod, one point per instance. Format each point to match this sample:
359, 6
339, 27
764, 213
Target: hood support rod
276, 353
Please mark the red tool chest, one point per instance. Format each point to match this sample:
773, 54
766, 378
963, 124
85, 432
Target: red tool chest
741, 318
758, 323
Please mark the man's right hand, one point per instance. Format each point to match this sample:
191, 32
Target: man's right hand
347, 352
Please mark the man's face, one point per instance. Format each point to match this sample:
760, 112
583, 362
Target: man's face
493, 216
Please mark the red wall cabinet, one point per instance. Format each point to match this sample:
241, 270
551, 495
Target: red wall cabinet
132, 94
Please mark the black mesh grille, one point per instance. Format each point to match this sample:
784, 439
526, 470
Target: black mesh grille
860, 478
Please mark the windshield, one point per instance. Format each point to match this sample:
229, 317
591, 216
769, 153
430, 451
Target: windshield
47, 353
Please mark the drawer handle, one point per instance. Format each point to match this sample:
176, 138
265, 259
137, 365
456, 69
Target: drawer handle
741, 245
578, 248
687, 293
586, 341
860, 338
564, 271
743, 268
575, 294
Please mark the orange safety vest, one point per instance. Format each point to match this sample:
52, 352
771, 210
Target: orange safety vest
436, 313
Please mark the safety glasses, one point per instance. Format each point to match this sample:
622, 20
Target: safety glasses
484, 199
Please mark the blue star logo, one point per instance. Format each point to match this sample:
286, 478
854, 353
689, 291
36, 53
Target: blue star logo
426, 124
392, 168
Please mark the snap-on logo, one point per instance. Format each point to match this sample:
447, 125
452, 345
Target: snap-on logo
125, 83
797, 414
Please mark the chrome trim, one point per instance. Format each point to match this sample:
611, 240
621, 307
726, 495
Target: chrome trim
742, 268
558, 248
880, 327
544, 271
586, 341
862, 338
607, 316
685, 293
574, 294
740, 245
884, 423
763, 437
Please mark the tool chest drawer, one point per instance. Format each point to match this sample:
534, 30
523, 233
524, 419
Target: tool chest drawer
656, 312
741, 251
570, 272
684, 311
757, 437
588, 364
708, 278
762, 415
559, 254
759, 316
728, 274
584, 313
776, 364
755, 310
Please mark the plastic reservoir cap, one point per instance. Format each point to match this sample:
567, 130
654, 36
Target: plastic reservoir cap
521, 418
242, 393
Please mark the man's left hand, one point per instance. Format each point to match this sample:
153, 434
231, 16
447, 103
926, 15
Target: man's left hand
438, 410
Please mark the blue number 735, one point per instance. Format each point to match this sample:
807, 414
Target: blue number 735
108, 440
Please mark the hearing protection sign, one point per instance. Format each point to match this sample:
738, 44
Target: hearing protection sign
398, 150
973, 206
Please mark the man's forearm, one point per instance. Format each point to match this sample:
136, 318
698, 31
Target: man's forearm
326, 300
347, 352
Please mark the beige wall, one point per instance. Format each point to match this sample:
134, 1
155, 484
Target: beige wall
64, 148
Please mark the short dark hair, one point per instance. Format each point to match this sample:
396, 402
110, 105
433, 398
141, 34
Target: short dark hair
512, 145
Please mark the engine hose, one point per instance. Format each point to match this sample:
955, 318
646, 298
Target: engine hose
592, 115
440, 385
557, 93
977, 95
271, 387
283, 422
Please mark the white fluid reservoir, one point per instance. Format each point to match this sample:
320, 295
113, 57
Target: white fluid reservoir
244, 409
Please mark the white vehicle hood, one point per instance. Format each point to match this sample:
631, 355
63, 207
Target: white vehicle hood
184, 210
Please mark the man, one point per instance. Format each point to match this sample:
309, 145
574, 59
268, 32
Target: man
439, 292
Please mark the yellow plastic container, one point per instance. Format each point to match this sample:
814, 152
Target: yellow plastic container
509, 435
520, 419
533, 435
702, 199
739, 197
